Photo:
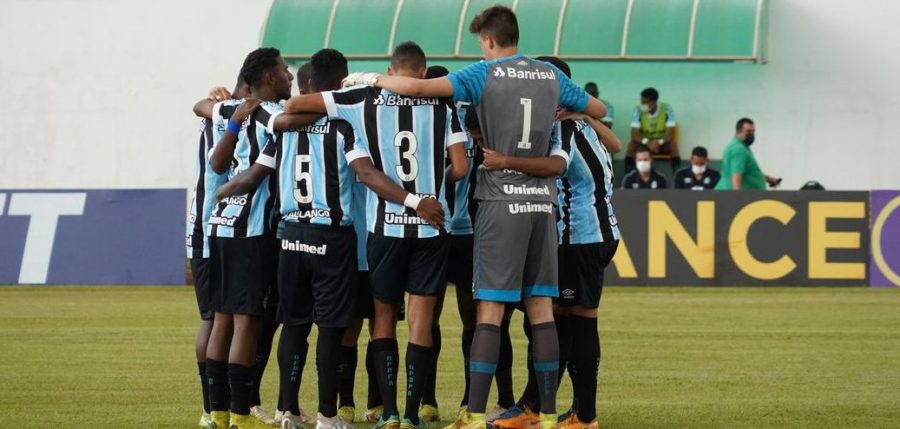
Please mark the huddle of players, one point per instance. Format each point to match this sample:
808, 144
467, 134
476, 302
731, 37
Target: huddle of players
376, 176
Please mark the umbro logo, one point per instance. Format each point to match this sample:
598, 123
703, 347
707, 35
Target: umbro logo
498, 72
567, 293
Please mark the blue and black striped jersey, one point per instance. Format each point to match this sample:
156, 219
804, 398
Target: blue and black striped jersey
358, 207
585, 190
206, 181
250, 214
407, 139
315, 180
461, 195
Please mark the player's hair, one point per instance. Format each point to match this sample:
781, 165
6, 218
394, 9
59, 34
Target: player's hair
558, 63
240, 85
700, 151
436, 71
257, 63
651, 94
472, 118
642, 148
329, 67
590, 84
499, 23
304, 73
741, 122
408, 56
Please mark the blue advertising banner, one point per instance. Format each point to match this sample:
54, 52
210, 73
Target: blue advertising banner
92, 236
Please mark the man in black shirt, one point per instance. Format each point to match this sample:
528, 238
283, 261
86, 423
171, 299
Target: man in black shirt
644, 176
698, 176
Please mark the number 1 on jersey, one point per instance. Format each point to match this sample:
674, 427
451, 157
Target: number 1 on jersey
526, 124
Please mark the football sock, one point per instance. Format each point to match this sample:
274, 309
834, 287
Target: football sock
240, 378
429, 396
204, 385
374, 397
328, 349
564, 331
349, 360
292, 350
545, 352
467, 336
268, 326
529, 398
586, 365
419, 362
503, 376
217, 383
482, 365
386, 362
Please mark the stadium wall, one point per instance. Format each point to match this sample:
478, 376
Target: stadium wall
99, 91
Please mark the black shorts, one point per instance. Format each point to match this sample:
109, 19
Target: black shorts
414, 265
581, 272
317, 275
200, 272
365, 307
242, 272
459, 261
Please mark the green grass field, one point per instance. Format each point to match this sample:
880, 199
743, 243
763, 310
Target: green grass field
672, 358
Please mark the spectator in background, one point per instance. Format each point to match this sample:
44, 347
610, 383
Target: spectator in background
591, 88
653, 125
698, 176
739, 167
644, 176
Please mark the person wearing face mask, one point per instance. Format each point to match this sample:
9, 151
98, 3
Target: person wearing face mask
698, 176
653, 125
739, 167
644, 176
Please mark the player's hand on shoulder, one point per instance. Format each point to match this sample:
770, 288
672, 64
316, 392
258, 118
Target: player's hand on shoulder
219, 93
246, 109
360, 78
493, 160
432, 211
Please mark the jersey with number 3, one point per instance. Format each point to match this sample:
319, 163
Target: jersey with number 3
516, 99
407, 139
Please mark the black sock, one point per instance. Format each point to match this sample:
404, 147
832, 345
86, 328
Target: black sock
263, 350
240, 378
586, 365
204, 385
429, 396
483, 365
467, 337
217, 383
545, 349
529, 398
419, 360
676, 163
629, 164
387, 362
564, 334
374, 397
503, 376
349, 360
328, 349
292, 350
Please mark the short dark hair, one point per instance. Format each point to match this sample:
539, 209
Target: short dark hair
651, 94
499, 23
436, 71
471, 121
558, 63
304, 73
741, 122
257, 63
700, 151
408, 56
329, 66
642, 148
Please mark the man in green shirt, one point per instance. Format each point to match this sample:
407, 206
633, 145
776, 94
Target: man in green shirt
739, 167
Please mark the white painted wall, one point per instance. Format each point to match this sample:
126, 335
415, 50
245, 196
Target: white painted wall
98, 92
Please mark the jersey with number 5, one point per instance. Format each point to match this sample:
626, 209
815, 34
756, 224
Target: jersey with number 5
516, 99
407, 139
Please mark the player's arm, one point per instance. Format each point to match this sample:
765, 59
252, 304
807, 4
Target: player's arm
204, 107
737, 179
429, 209
543, 166
595, 108
245, 182
411, 87
307, 103
290, 121
220, 157
459, 164
607, 137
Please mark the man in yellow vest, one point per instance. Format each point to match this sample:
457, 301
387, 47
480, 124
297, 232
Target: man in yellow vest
653, 124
